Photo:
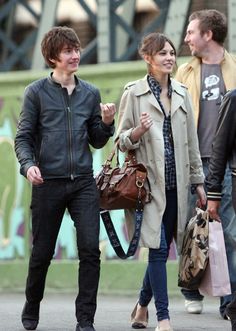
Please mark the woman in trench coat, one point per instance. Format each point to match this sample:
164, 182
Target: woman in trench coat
156, 120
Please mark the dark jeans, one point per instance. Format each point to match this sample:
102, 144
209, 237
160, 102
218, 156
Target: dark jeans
155, 279
228, 218
49, 202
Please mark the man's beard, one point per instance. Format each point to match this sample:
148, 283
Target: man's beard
195, 53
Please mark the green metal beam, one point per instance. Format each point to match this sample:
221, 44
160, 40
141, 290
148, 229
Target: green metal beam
232, 26
46, 22
122, 38
103, 31
176, 19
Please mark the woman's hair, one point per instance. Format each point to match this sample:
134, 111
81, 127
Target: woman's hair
54, 41
213, 20
153, 43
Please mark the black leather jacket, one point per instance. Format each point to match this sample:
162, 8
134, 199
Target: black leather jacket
55, 129
224, 146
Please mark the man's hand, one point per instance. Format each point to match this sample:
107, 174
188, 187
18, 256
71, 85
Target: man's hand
212, 208
108, 111
34, 175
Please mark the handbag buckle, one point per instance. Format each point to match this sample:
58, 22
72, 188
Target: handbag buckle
140, 178
139, 183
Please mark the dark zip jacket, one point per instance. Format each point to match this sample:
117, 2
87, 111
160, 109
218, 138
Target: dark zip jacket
224, 146
55, 130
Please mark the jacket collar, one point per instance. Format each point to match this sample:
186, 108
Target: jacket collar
195, 62
56, 84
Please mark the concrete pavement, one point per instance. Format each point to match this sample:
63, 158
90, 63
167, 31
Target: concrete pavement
113, 314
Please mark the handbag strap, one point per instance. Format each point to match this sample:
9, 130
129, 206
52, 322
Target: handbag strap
114, 152
113, 237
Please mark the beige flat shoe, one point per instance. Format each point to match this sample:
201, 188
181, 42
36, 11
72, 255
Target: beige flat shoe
136, 323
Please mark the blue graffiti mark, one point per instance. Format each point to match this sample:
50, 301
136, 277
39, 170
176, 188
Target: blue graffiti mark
15, 245
5, 130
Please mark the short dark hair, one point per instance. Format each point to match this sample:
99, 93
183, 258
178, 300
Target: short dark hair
211, 19
153, 43
55, 39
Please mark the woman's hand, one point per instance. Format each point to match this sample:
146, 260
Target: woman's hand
145, 121
202, 199
145, 124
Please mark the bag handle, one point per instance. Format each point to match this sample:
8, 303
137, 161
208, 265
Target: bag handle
115, 151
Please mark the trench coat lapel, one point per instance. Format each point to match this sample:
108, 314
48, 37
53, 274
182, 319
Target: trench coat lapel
143, 88
177, 99
153, 101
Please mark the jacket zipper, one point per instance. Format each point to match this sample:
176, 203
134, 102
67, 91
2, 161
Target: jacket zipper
70, 143
68, 111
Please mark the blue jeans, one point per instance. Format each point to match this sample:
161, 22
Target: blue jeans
228, 218
155, 279
49, 202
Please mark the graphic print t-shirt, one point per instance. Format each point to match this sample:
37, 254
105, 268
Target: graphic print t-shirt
212, 92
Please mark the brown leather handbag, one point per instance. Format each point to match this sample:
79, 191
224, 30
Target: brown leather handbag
121, 187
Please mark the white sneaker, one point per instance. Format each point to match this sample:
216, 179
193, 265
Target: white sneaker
194, 306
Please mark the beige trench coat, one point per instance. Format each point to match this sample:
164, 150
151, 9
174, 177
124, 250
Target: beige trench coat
137, 98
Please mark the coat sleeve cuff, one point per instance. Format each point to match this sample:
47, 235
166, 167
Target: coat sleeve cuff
125, 141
